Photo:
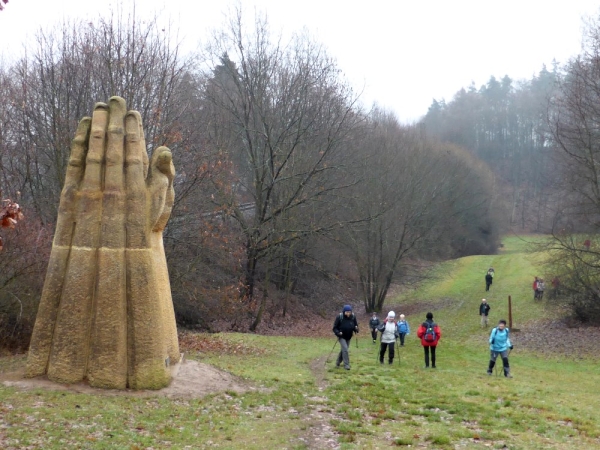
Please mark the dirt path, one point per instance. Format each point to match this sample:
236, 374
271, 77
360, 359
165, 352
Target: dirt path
320, 433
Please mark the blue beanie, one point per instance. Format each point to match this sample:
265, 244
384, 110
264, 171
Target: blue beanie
347, 308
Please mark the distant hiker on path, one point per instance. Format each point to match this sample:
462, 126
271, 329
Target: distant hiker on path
489, 277
500, 345
541, 287
373, 324
429, 333
484, 310
403, 329
555, 287
344, 327
535, 288
389, 334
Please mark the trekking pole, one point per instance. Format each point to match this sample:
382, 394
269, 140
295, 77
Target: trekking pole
398, 345
332, 348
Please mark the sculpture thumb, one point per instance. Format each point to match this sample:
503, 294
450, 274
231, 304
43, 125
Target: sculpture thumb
160, 185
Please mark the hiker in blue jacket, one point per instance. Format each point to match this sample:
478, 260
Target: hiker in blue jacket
500, 345
403, 329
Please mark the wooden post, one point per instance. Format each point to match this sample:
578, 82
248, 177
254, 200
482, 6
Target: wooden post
509, 313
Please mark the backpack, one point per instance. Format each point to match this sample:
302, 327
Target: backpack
429, 335
402, 328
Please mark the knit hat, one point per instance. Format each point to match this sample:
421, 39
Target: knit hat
347, 308
429, 316
391, 315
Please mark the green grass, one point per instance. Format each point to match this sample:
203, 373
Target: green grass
549, 404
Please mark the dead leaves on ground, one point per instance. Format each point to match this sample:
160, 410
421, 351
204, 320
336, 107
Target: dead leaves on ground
203, 343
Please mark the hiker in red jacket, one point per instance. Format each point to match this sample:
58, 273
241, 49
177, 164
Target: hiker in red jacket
429, 333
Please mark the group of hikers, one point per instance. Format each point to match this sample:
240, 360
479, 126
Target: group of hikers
539, 287
392, 331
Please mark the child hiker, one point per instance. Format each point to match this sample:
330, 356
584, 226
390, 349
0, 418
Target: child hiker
403, 329
373, 324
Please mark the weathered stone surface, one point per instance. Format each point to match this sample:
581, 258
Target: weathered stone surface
106, 313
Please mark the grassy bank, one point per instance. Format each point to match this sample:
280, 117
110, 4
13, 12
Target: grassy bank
299, 400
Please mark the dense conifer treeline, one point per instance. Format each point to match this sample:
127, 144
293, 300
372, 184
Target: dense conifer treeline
505, 124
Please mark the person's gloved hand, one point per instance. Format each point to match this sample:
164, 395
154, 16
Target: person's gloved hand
356, 330
511, 347
493, 341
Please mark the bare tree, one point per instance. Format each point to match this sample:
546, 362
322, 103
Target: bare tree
71, 67
286, 115
574, 118
414, 191
58, 80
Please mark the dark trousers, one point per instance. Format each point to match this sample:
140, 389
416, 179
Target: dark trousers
427, 356
402, 336
382, 350
374, 333
505, 364
487, 285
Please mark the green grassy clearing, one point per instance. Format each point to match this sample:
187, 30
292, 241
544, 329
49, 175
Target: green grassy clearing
550, 404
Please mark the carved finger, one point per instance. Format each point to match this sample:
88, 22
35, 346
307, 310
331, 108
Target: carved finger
41, 339
107, 364
113, 178
135, 155
143, 144
92, 179
162, 172
68, 197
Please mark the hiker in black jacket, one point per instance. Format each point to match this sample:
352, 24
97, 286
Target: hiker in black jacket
374, 324
489, 278
344, 327
484, 310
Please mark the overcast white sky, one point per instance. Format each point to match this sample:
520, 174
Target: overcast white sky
402, 53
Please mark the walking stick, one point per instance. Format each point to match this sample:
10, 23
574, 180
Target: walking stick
332, 348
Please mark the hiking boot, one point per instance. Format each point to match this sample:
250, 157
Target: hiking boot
433, 367
390, 362
347, 367
374, 341
489, 372
508, 375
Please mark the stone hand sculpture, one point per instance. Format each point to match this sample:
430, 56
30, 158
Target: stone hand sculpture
106, 313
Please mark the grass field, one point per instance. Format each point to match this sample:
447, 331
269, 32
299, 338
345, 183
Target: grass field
302, 401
